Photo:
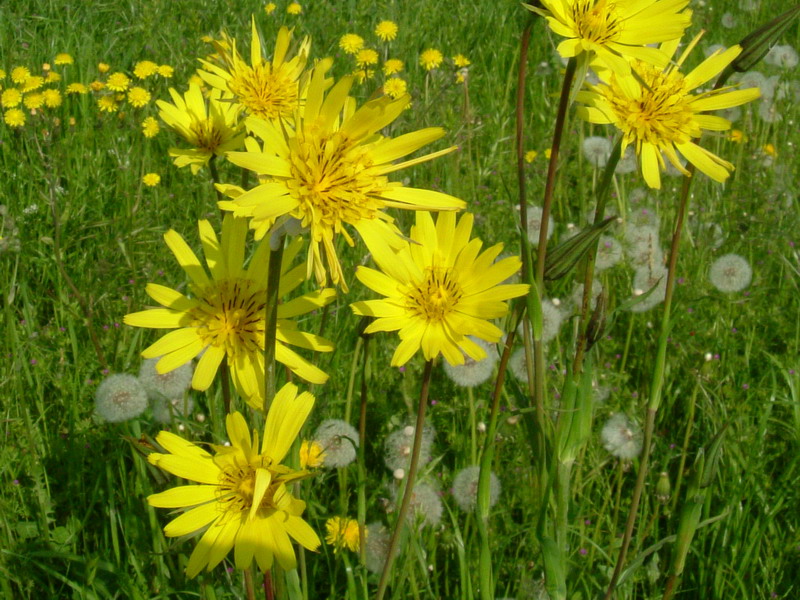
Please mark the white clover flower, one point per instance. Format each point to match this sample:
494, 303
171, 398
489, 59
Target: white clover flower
730, 273
119, 398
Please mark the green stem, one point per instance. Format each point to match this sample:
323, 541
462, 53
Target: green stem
362, 469
271, 316
225, 382
249, 588
412, 475
684, 449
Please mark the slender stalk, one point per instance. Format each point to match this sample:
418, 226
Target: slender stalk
412, 475
225, 382
270, 330
362, 470
269, 588
249, 588
684, 449
212, 168
657, 384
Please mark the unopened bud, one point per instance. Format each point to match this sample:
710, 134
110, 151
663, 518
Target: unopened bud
663, 488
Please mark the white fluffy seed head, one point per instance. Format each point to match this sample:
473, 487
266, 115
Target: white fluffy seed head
399, 444
627, 162
161, 386
377, 547
621, 438
643, 247
164, 410
465, 488
730, 273
517, 366
339, 440
597, 150
426, 504
535, 225
473, 372
645, 279
119, 398
783, 56
609, 253
552, 318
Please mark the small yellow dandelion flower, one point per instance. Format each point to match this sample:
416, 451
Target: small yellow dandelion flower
96, 86
138, 96
72, 121
20, 74
386, 30
32, 83
245, 502
392, 66
33, 101
366, 57
270, 7
548, 153
118, 82
312, 454
2, 74
737, 136
103, 67
63, 59
351, 43
52, 98
394, 87
166, 71
45, 66
294, 9
530, 156
150, 127
77, 88
439, 290
151, 179
462, 74
342, 534
144, 69
14, 117
430, 59
460, 61
52, 77
10, 98
107, 104
196, 80
361, 75
769, 149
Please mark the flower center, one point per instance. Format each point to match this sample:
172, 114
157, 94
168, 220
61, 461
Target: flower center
267, 93
436, 296
595, 21
661, 113
334, 182
207, 134
231, 315
236, 487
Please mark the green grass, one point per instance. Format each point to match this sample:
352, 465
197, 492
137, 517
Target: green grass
74, 522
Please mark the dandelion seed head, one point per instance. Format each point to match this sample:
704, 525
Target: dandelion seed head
339, 441
377, 547
426, 506
597, 150
621, 438
609, 253
165, 409
398, 446
730, 273
161, 386
646, 278
473, 372
465, 488
535, 225
119, 398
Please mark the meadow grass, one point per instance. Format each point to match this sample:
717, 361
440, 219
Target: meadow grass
82, 235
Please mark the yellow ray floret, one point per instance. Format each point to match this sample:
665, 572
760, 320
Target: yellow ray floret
223, 318
659, 115
331, 170
439, 289
244, 498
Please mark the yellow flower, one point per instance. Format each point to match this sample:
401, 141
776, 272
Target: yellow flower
330, 171
614, 30
144, 69
366, 57
118, 82
63, 59
386, 30
737, 136
270, 8
33, 101
351, 43
394, 87
151, 179
769, 149
45, 66
77, 88
210, 126
224, 318
52, 98
361, 75
657, 113
548, 153
20, 74
32, 83
430, 59
103, 67
461, 61
245, 498
138, 96
392, 66
10, 98
150, 127
52, 77
14, 117
530, 156
294, 9
2, 74
439, 290
96, 86
312, 454
166, 71
107, 104
342, 534
267, 89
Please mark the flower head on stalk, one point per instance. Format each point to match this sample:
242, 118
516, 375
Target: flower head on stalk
614, 30
211, 127
244, 498
269, 90
659, 115
439, 290
331, 171
223, 317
